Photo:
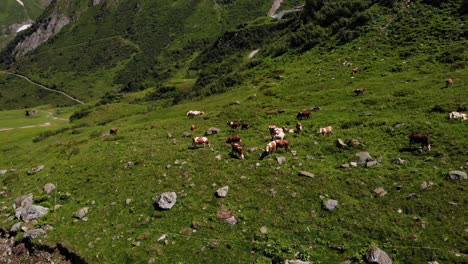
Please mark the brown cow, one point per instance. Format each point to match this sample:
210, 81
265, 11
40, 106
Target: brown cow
448, 83
113, 131
420, 138
299, 127
233, 125
193, 127
200, 141
244, 126
283, 143
233, 139
356, 70
326, 130
237, 148
305, 113
359, 91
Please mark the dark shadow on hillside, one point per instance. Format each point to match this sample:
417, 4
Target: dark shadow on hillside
264, 154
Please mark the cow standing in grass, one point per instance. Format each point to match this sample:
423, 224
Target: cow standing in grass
200, 141
422, 139
448, 83
303, 114
359, 91
284, 143
193, 127
457, 115
233, 139
299, 127
325, 131
356, 70
233, 125
237, 148
113, 131
193, 113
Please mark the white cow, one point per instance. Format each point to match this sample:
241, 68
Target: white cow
193, 113
457, 115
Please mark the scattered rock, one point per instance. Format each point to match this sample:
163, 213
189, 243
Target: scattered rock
412, 196
377, 256
15, 227
2, 172
212, 131
32, 212
456, 175
165, 200
380, 191
281, 160
23, 201
264, 230
306, 174
174, 141
373, 163
398, 161
49, 188
236, 103
218, 157
254, 149
340, 144
296, 261
362, 158
169, 135
344, 166
353, 164
426, 185
186, 135
34, 233
222, 192
81, 212
280, 111
227, 216
331, 204
36, 169
128, 201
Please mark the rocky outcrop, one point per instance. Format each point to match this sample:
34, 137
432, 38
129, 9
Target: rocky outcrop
41, 35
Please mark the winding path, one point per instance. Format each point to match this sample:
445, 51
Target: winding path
42, 86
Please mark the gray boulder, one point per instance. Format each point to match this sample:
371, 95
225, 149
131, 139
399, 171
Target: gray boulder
340, 144
165, 200
306, 174
376, 255
456, 175
82, 212
331, 204
36, 169
31, 212
212, 131
49, 188
362, 158
222, 192
186, 134
23, 201
3, 172
34, 233
281, 160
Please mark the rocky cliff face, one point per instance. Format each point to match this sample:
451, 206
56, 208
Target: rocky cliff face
42, 34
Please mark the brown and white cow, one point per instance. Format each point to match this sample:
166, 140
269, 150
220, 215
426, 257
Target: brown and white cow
200, 141
193, 127
234, 139
193, 113
113, 131
237, 148
457, 115
422, 139
233, 125
272, 129
356, 70
449, 83
359, 91
303, 114
288, 130
279, 134
284, 143
270, 147
299, 127
326, 130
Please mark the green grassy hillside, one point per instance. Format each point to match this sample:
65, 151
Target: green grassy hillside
280, 214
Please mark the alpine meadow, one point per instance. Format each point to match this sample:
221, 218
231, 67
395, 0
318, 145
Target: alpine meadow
234, 131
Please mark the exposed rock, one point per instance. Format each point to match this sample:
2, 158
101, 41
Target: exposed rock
169, 135
227, 216
362, 157
34, 233
128, 201
398, 161
253, 149
353, 164
222, 192
296, 261
331, 204
212, 131
340, 144
98, 2
426, 185
2, 172
49, 188
218, 157
281, 160
456, 175
186, 135
376, 255
82, 212
380, 191
31, 212
372, 163
165, 200
36, 169
23, 201
264, 230
41, 35
306, 174
344, 166
15, 227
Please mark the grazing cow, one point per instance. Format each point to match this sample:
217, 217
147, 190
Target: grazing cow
284, 143
359, 91
279, 134
326, 130
237, 148
113, 131
288, 130
356, 70
245, 126
233, 139
270, 147
420, 138
299, 127
272, 129
193, 127
233, 125
200, 141
457, 115
448, 83
305, 113
193, 113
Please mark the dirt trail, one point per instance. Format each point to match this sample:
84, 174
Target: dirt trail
42, 86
